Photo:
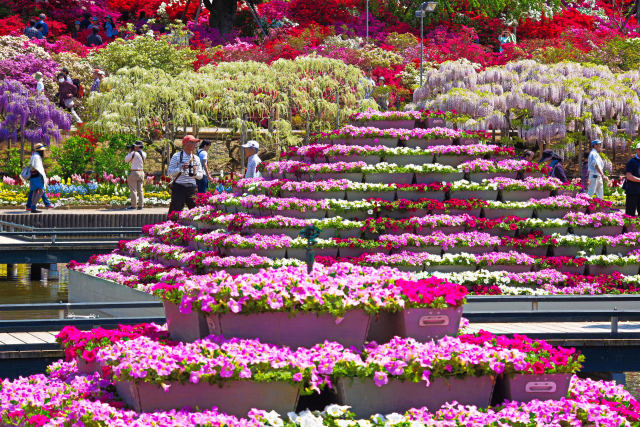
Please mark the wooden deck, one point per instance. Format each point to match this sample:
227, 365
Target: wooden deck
85, 218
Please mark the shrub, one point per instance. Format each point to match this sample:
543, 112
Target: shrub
73, 156
109, 157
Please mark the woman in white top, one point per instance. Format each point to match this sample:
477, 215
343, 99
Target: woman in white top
135, 179
38, 181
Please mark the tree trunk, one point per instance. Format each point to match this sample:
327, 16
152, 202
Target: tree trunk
222, 14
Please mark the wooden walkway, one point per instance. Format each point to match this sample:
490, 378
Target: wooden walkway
85, 218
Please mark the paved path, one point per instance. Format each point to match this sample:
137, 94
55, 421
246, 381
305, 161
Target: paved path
96, 211
572, 328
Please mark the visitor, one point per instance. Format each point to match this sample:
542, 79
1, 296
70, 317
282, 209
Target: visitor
251, 149
38, 181
66, 92
94, 38
506, 37
110, 27
98, 75
76, 30
184, 169
135, 179
382, 98
86, 21
528, 155
369, 84
596, 170
143, 19
203, 154
45, 27
39, 85
67, 77
631, 185
32, 32
39, 27
555, 163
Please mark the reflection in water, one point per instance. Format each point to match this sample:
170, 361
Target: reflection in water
16, 287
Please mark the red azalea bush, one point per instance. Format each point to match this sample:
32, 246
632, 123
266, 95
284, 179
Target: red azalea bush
305, 12
433, 293
11, 26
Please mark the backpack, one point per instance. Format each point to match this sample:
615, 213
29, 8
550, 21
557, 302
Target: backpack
80, 88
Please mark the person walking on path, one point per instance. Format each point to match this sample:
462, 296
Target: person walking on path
45, 27
632, 184
555, 163
32, 32
38, 181
66, 92
596, 170
251, 149
98, 75
39, 85
203, 154
184, 169
135, 179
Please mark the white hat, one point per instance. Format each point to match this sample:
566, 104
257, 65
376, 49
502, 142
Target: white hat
252, 144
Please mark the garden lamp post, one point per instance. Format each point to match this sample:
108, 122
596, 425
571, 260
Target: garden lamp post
427, 6
367, 25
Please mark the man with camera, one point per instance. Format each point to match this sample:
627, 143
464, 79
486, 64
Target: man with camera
184, 169
135, 179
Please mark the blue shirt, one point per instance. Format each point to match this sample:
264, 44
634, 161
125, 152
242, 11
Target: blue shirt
45, 28
111, 31
33, 33
633, 167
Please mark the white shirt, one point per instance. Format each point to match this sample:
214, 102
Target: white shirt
175, 167
40, 87
36, 163
252, 165
595, 159
136, 160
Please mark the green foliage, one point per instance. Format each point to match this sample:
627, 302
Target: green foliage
109, 156
11, 161
619, 54
73, 156
148, 52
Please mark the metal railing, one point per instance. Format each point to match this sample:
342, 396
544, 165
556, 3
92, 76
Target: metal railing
535, 300
52, 234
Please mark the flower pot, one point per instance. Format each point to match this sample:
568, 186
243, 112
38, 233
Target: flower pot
301, 253
448, 268
313, 195
548, 231
184, 327
85, 367
291, 232
426, 142
233, 397
353, 214
537, 251
328, 233
309, 214
426, 231
388, 196
468, 194
570, 269
469, 250
434, 250
389, 124
366, 398
524, 195
403, 214
386, 142
545, 213
368, 159
435, 122
452, 159
607, 230
273, 253
509, 268
416, 195
302, 329
528, 387
625, 270
389, 178
467, 141
403, 160
236, 271
408, 268
425, 324
494, 213
479, 176
430, 178
347, 233
356, 252
500, 232
323, 176
572, 251
621, 249
472, 212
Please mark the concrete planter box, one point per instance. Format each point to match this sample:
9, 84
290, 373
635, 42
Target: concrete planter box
528, 387
517, 268
389, 178
479, 176
353, 195
388, 124
302, 329
547, 231
409, 160
417, 195
469, 250
449, 268
608, 230
426, 143
621, 249
523, 195
452, 159
370, 160
319, 214
351, 176
538, 251
425, 324
468, 194
426, 231
494, 213
233, 397
572, 251
467, 141
571, 269
544, 213
473, 212
346, 233
435, 122
356, 252
434, 250
291, 232
85, 367
350, 214
271, 253
409, 268
403, 214
625, 270
301, 253
387, 142
367, 399
313, 195
430, 178
185, 327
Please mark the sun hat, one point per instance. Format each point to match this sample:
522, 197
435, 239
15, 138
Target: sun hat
252, 144
38, 75
39, 147
595, 142
190, 138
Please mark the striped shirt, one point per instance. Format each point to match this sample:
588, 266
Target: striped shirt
176, 166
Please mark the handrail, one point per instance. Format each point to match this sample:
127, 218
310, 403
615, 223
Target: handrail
552, 298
